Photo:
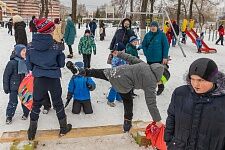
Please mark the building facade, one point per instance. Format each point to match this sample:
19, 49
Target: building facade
29, 8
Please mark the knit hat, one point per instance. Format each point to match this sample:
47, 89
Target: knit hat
120, 46
56, 21
45, 26
133, 38
87, 31
17, 18
79, 64
204, 68
154, 23
18, 48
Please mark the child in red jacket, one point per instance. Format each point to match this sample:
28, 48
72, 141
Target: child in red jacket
221, 34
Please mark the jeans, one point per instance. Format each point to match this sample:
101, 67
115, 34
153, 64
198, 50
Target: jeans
113, 95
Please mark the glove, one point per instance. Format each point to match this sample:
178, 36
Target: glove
6, 91
94, 52
90, 87
69, 97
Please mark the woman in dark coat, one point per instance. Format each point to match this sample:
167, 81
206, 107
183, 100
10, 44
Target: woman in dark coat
196, 114
122, 35
20, 30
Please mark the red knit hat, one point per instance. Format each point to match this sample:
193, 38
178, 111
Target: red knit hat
45, 26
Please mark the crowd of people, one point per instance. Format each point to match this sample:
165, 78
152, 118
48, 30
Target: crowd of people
195, 115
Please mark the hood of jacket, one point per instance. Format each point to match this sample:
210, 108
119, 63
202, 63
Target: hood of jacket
157, 70
42, 42
126, 19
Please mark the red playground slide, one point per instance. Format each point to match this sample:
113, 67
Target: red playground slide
205, 48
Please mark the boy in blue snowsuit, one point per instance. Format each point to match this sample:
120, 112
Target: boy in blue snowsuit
199, 44
13, 75
79, 88
113, 94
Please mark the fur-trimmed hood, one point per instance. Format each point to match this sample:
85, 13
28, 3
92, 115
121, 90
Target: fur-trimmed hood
17, 18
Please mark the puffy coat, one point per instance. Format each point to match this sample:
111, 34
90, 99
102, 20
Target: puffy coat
92, 25
20, 33
155, 46
196, 122
138, 75
131, 49
57, 34
70, 32
11, 78
176, 28
78, 86
221, 31
122, 35
87, 45
44, 58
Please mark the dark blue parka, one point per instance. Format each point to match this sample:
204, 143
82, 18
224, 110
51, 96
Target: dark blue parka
196, 122
122, 35
44, 58
11, 78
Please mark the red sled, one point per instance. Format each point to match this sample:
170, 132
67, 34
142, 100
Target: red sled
156, 136
25, 91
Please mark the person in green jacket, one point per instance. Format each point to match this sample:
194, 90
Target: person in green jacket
131, 47
85, 47
69, 36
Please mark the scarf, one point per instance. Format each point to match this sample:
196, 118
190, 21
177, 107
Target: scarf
22, 67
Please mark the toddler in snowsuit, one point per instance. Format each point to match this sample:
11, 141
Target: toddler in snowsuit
14, 73
79, 88
131, 47
85, 47
113, 94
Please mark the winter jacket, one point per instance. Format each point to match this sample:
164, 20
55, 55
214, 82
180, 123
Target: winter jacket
20, 33
199, 42
176, 28
32, 26
118, 62
221, 31
92, 26
10, 25
44, 58
139, 75
57, 34
70, 32
131, 49
78, 86
122, 35
87, 45
11, 78
155, 46
196, 122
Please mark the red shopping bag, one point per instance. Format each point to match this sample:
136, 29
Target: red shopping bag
156, 136
25, 91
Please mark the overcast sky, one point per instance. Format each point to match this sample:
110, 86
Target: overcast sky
90, 4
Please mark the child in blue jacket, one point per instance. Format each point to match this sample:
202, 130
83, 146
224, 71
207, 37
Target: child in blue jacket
199, 42
79, 88
113, 94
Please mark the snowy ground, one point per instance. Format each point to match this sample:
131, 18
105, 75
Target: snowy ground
103, 114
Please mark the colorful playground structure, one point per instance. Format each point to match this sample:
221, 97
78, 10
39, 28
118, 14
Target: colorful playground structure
193, 36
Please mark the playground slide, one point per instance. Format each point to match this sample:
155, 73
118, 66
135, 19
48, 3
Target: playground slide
193, 35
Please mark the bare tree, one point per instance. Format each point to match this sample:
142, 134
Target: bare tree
151, 9
46, 9
143, 9
190, 9
178, 11
42, 9
131, 8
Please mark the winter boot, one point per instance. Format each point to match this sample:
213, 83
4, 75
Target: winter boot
127, 125
32, 130
70, 56
111, 104
24, 117
160, 89
64, 127
8, 120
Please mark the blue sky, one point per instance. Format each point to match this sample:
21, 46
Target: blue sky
91, 4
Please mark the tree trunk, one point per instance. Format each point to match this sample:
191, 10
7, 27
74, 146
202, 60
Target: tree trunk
42, 9
131, 8
152, 9
190, 9
74, 10
46, 9
178, 11
143, 16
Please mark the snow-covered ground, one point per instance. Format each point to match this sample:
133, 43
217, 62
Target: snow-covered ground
103, 114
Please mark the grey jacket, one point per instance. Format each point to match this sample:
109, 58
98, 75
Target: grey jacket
138, 75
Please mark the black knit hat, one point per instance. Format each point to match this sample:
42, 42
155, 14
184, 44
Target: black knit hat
204, 68
87, 31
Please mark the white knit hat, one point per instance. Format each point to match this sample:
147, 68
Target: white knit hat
17, 18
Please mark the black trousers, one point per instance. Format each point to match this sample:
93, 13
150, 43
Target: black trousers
220, 39
86, 105
127, 97
47, 102
70, 49
10, 31
87, 60
41, 87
